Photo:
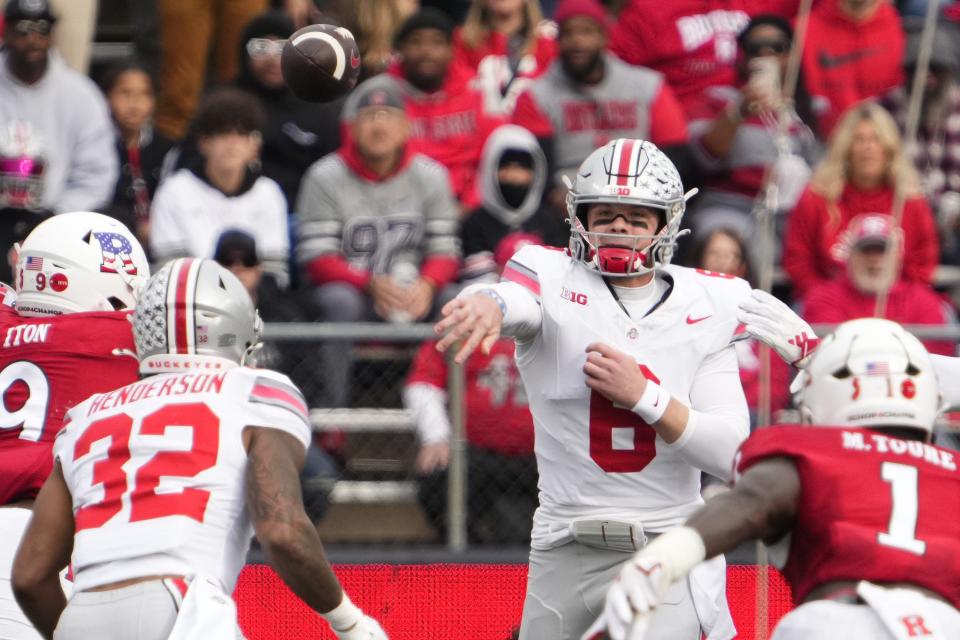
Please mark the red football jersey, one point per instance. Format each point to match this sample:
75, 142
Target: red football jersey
872, 507
47, 365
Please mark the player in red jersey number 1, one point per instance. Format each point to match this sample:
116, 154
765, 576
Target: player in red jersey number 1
862, 503
158, 486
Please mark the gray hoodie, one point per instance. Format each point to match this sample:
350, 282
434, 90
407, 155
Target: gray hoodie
503, 138
68, 116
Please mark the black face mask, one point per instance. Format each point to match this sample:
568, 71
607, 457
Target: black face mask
514, 194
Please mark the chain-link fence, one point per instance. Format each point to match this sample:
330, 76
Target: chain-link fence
366, 481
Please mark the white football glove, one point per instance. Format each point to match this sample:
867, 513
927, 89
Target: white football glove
632, 596
776, 325
366, 629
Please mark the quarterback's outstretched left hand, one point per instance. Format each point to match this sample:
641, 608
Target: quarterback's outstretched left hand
775, 324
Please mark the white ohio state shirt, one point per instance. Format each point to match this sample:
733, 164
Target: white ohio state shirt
600, 461
156, 472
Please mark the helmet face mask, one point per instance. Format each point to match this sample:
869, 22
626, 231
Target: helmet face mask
194, 314
870, 373
628, 172
76, 262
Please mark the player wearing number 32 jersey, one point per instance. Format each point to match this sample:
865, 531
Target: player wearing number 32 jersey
633, 385
64, 338
863, 507
158, 486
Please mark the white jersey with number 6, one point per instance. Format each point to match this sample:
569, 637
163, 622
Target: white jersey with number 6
598, 460
156, 472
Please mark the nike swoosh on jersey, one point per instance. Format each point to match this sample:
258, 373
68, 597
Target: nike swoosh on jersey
692, 320
828, 61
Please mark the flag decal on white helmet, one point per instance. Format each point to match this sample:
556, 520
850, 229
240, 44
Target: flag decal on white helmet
181, 319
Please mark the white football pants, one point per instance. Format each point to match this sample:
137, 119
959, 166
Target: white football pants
143, 611
567, 585
13, 623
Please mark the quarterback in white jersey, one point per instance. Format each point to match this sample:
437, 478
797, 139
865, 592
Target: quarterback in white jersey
633, 384
159, 486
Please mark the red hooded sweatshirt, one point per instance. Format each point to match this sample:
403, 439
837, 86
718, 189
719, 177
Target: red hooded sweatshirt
907, 303
490, 69
845, 61
692, 42
814, 249
451, 125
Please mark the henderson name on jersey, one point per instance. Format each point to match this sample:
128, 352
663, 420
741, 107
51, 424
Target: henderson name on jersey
156, 472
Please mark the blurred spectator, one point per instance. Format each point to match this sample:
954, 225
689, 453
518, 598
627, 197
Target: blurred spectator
936, 154
588, 97
853, 51
738, 142
723, 250
513, 173
296, 133
188, 29
853, 292
501, 468
505, 43
447, 118
55, 135
74, 36
692, 42
225, 190
865, 163
140, 149
377, 227
374, 23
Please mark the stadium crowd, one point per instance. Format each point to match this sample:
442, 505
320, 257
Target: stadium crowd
456, 146
483, 134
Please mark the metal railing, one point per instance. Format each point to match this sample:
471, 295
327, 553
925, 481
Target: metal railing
397, 420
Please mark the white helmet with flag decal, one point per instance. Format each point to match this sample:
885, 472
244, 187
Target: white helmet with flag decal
80, 261
633, 172
194, 314
870, 373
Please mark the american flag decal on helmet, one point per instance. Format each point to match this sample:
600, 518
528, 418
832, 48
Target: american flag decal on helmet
181, 317
117, 252
279, 394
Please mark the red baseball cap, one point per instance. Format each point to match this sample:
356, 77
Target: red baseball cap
870, 230
586, 8
512, 243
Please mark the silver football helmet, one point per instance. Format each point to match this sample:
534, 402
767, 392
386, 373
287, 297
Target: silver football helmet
194, 314
870, 373
634, 172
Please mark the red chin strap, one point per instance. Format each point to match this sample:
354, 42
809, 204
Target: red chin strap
619, 259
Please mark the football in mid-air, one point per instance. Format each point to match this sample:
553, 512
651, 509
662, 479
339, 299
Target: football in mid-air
321, 62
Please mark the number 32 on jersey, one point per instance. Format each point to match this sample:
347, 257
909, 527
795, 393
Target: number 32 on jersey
146, 502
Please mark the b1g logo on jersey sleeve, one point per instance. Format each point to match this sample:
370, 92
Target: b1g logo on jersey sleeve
117, 252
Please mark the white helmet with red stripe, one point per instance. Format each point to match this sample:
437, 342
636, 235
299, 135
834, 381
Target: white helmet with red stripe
873, 373
194, 314
80, 261
633, 172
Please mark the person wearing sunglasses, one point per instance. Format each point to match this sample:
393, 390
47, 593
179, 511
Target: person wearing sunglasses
295, 133
54, 117
733, 141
